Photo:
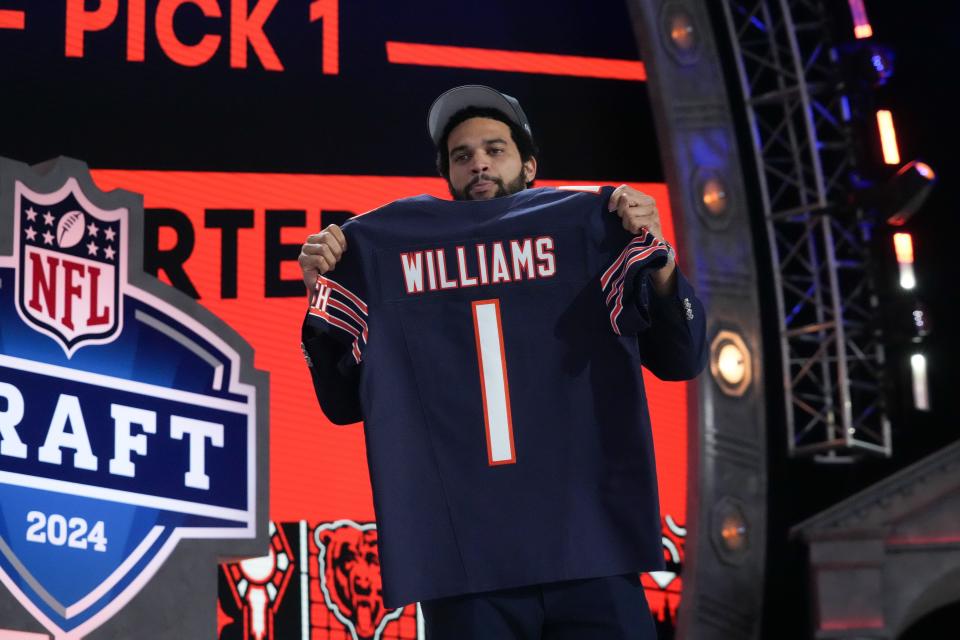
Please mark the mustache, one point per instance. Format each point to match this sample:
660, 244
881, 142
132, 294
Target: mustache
482, 178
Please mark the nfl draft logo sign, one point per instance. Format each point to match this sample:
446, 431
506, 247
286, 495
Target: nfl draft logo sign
132, 422
68, 251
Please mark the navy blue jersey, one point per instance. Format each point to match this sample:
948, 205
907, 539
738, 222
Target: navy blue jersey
493, 350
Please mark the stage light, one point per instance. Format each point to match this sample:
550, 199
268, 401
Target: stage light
901, 197
714, 196
730, 531
906, 192
888, 137
865, 65
733, 531
678, 31
861, 25
903, 247
730, 363
881, 61
921, 323
924, 170
681, 31
918, 372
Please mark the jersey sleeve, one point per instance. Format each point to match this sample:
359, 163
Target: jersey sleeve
334, 336
623, 280
338, 307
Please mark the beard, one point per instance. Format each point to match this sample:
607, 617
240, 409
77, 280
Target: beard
503, 188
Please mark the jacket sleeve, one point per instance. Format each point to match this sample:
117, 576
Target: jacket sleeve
674, 346
335, 380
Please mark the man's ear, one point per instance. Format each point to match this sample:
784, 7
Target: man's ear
530, 169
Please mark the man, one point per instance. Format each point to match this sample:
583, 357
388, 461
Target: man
493, 345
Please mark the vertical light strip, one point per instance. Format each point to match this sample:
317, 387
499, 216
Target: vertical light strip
304, 584
888, 137
861, 25
493, 381
903, 246
908, 279
918, 369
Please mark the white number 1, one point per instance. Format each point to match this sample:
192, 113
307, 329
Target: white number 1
493, 382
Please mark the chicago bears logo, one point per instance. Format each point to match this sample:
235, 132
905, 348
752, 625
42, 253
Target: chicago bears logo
350, 577
130, 418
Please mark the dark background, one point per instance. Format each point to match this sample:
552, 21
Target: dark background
370, 119
923, 38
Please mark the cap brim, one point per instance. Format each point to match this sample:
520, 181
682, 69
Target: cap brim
471, 95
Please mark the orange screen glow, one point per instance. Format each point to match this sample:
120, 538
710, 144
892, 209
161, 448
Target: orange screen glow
318, 471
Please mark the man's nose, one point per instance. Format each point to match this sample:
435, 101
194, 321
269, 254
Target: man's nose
481, 163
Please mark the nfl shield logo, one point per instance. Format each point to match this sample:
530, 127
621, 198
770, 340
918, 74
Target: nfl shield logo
132, 422
72, 258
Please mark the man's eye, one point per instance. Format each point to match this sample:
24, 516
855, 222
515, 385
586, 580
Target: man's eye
461, 157
496, 151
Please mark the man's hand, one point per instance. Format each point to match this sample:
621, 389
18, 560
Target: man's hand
320, 254
638, 211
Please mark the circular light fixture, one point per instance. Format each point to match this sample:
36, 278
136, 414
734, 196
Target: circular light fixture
679, 33
730, 363
711, 196
733, 531
714, 196
730, 530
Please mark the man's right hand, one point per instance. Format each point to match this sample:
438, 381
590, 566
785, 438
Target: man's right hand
320, 254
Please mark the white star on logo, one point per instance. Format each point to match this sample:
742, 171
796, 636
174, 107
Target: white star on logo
92, 248
31, 214
109, 253
92, 230
31, 234
110, 234
47, 237
47, 219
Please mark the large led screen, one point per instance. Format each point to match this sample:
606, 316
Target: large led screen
247, 126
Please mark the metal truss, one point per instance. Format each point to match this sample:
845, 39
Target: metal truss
832, 355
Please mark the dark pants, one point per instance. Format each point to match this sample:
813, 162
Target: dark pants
613, 608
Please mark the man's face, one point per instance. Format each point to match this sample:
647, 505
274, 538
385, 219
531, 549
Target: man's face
485, 162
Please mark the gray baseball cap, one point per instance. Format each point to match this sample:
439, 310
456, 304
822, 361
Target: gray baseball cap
473, 95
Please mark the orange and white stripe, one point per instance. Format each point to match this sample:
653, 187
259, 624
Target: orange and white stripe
342, 309
638, 251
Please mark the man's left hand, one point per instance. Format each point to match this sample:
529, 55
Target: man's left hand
638, 211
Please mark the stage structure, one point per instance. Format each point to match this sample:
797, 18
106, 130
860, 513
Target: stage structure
889, 555
802, 154
798, 113
726, 512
